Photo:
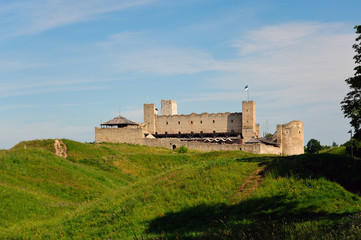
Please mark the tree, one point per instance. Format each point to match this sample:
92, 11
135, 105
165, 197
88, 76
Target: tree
334, 144
313, 146
351, 104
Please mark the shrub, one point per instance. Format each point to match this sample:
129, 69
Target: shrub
313, 146
356, 145
183, 149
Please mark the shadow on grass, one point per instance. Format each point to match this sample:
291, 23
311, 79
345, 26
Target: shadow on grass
338, 168
245, 217
266, 217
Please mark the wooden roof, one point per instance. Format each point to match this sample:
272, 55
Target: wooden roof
119, 120
252, 140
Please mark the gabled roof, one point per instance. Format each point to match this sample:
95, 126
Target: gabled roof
119, 121
252, 140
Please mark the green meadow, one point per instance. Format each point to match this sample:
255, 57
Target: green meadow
122, 191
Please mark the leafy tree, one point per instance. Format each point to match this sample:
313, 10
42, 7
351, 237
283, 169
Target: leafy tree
334, 144
351, 104
313, 146
183, 149
268, 135
356, 145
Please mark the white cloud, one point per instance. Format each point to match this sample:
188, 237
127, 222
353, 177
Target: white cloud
276, 37
30, 86
14, 66
14, 133
133, 114
40, 15
45, 105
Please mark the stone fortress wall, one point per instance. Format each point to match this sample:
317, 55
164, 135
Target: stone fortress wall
287, 140
171, 123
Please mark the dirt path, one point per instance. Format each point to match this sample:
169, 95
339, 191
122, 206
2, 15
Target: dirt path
60, 148
250, 184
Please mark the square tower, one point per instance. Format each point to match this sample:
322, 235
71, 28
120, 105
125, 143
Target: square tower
169, 107
249, 120
150, 114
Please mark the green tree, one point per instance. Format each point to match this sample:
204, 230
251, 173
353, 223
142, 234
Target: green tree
313, 146
334, 144
351, 104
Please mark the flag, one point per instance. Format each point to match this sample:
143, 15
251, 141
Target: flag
246, 88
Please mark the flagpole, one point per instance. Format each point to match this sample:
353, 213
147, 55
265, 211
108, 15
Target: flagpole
247, 90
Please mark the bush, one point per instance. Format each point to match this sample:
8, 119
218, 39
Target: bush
183, 149
356, 145
313, 146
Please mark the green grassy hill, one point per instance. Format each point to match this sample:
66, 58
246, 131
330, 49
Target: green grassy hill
121, 191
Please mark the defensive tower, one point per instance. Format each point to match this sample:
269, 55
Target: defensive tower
169, 107
150, 113
249, 127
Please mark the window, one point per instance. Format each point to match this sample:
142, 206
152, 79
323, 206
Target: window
191, 122
232, 131
178, 122
201, 132
231, 120
201, 122
167, 123
179, 133
214, 121
214, 131
166, 133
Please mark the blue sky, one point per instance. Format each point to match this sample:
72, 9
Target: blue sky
67, 65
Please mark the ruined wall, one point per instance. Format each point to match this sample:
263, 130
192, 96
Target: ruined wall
259, 148
130, 134
292, 138
205, 122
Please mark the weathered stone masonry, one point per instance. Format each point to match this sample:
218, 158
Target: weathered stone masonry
205, 131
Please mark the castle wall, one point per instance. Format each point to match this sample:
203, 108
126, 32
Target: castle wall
288, 137
205, 122
260, 148
170, 143
130, 134
134, 135
292, 138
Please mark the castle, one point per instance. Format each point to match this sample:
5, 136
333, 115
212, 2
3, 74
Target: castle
205, 131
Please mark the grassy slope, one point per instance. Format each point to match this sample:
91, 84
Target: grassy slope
119, 190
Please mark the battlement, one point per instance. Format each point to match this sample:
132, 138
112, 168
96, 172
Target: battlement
205, 131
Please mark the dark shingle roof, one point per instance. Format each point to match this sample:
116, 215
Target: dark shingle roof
252, 140
119, 121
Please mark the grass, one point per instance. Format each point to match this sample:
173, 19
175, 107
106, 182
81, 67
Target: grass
121, 191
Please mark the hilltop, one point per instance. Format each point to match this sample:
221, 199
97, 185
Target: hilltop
123, 191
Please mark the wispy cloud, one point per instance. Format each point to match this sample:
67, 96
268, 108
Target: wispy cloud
13, 133
40, 106
36, 16
276, 37
16, 65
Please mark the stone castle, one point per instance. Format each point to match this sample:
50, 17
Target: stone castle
205, 131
